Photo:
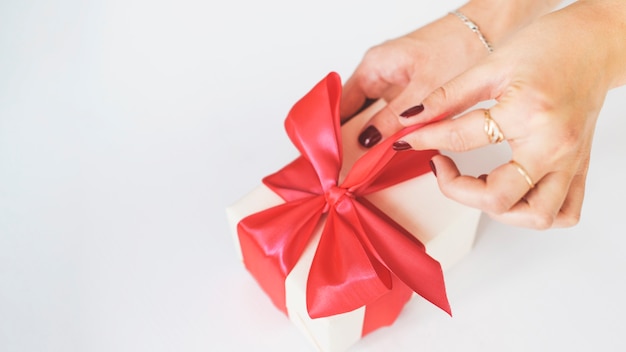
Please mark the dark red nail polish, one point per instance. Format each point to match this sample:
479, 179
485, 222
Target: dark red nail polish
432, 167
401, 145
369, 137
412, 111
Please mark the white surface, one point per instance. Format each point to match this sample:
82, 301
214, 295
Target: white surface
126, 127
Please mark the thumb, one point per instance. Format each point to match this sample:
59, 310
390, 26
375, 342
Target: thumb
457, 95
352, 99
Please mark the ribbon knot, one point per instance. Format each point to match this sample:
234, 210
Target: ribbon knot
362, 253
334, 196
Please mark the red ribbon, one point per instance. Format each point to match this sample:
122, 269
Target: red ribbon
362, 252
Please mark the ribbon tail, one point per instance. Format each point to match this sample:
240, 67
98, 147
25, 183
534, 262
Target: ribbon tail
344, 274
406, 258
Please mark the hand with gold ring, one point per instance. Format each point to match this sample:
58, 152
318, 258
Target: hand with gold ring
408, 68
549, 82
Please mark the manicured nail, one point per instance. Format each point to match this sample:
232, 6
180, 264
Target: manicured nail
369, 137
432, 167
412, 111
401, 145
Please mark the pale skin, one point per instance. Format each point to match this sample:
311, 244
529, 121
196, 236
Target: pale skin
406, 69
549, 75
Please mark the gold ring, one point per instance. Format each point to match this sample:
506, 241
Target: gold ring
524, 173
492, 129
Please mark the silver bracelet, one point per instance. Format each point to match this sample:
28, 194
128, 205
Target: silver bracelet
471, 25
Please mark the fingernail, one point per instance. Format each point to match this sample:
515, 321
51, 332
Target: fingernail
401, 145
412, 111
369, 137
432, 167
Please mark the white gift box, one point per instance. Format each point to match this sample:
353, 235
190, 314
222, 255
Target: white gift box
446, 228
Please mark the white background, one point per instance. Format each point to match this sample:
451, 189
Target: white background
127, 127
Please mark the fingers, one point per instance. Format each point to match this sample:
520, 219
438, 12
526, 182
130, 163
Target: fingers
381, 125
452, 98
569, 215
353, 98
494, 194
458, 135
385, 122
555, 202
475, 85
506, 196
360, 91
540, 207
369, 83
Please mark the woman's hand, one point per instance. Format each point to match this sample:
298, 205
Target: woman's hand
406, 69
549, 81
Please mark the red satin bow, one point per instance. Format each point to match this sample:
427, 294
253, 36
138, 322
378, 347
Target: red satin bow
361, 250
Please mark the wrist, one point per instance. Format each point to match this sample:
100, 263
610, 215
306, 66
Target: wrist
474, 28
498, 19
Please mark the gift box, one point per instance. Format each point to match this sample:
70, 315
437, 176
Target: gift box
342, 237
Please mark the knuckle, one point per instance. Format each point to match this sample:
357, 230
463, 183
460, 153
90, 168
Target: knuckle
542, 221
457, 140
445, 189
495, 203
440, 95
374, 52
569, 219
369, 78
